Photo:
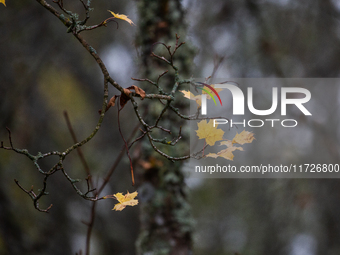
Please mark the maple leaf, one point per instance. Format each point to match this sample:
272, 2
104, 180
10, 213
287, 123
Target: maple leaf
124, 200
191, 96
187, 94
243, 137
226, 153
3, 2
208, 132
121, 16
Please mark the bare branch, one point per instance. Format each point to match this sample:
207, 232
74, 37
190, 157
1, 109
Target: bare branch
79, 150
35, 197
126, 147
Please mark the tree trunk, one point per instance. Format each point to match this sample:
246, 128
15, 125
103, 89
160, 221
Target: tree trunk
166, 222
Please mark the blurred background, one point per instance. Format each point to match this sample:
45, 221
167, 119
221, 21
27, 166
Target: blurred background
45, 71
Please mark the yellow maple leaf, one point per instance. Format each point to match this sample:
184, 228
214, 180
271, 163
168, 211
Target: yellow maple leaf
187, 94
3, 2
191, 96
124, 200
122, 16
243, 137
226, 153
207, 131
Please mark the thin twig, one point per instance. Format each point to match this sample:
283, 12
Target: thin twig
79, 150
149, 81
35, 197
90, 228
126, 146
10, 137
118, 159
161, 75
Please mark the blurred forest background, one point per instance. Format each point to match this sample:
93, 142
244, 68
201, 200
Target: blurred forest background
45, 71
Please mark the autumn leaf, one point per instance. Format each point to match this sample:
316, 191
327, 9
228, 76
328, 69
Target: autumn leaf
187, 94
111, 103
138, 91
124, 200
198, 98
124, 97
150, 163
3, 2
227, 143
191, 96
208, 132
121, 16
226, 153
243, 137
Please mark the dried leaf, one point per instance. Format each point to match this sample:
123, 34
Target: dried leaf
127, 91
138, 90
111, 103
145, 164
3, 2
244, 137
122, 16
125, 200
124, 98
208, 132
150, 163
